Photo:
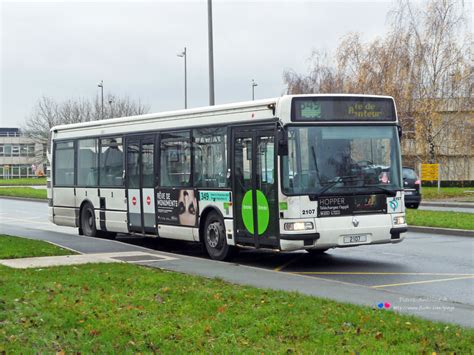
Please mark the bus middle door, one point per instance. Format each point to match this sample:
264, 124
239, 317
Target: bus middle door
140, 177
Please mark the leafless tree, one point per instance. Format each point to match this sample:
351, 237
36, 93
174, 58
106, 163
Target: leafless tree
423, 62
120, 107
437, 45
48, 113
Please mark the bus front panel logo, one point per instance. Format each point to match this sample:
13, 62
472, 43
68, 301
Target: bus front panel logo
355, 221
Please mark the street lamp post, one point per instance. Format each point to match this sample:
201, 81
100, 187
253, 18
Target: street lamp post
211, 53
254, 84
101, 85
183, 55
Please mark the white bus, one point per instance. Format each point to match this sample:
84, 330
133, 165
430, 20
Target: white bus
296, 172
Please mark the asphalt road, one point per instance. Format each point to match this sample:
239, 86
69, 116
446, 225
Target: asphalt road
428, 275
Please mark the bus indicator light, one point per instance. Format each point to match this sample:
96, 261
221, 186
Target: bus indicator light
134, 200
148, 200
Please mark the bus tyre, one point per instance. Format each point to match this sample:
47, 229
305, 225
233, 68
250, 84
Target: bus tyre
215, 239
88, 220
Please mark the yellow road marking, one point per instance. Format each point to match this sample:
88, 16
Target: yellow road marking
422, 282
281, 267
378, 273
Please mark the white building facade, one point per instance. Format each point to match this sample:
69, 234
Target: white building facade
20, 156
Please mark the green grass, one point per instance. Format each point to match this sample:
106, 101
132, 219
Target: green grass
23, 181
16, 247
128, 308
457, 220
448, 193
28, 192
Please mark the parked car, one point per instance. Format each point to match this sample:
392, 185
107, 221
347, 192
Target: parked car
411, 186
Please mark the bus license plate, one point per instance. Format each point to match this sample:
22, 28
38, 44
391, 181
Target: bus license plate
350, 239
408, 192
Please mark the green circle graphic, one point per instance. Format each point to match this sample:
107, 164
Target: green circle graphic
263, 212
247, 211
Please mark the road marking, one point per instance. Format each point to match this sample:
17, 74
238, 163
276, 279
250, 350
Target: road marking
281, 267
422, 282
145, 261
377, 273
10, 219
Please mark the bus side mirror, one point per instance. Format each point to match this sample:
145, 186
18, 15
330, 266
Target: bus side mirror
282, 143
400, 132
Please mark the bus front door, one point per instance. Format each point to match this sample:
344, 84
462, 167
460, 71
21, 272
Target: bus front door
255, 186
140, 180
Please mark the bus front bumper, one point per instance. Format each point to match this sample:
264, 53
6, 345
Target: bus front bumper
338, 234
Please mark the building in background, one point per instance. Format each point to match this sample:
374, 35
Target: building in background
20, 156
454, 143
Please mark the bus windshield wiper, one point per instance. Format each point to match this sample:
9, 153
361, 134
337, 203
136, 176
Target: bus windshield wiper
384, 189
349, 178
315, 163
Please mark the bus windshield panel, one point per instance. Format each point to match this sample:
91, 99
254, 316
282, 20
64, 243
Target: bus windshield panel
341, 160
311, 109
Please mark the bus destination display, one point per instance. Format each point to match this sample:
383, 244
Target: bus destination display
342, 109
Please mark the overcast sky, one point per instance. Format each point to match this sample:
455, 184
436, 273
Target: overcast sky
63, 49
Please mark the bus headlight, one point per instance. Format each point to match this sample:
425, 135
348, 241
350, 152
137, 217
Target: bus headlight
299, 226
399, 220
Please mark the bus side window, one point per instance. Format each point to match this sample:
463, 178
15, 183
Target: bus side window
210, 157
87, 165
111, 161
175, 159
64, 164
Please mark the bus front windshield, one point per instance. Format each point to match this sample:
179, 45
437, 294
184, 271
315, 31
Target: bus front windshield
326, 160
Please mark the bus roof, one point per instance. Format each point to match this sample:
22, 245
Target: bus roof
247, 111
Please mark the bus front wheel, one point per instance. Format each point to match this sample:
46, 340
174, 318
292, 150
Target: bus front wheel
88, 220
215, 240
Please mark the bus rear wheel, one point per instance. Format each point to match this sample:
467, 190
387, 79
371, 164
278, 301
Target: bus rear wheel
215, 238
88, 226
